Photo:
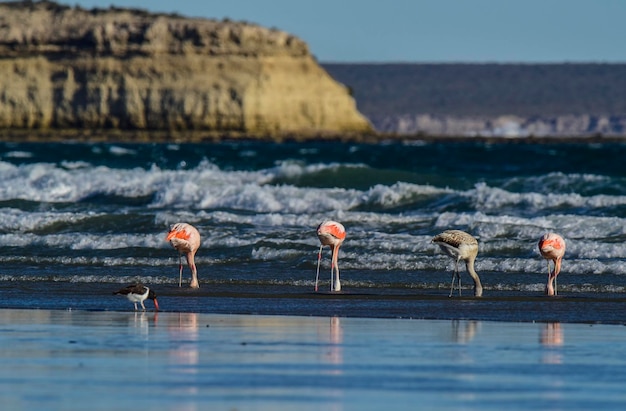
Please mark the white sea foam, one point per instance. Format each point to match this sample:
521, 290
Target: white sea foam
489, 198
19, 221
208, 187
265, 215
121, 151
18, 154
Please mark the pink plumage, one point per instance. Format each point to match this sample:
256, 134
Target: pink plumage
185, 238
552, 247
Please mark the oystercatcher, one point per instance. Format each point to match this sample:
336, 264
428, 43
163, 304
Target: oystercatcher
138, 293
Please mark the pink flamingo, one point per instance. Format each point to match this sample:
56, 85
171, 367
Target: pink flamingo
138, 293
460, 246
186, 239
330, 233
552, 247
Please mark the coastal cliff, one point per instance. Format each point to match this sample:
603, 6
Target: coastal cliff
65, 67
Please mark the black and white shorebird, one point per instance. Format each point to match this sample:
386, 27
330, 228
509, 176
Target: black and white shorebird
138, 293
460, 246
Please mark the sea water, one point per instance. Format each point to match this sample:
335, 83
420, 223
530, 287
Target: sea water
80, 220
77, 360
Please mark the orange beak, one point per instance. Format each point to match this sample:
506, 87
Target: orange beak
156, 305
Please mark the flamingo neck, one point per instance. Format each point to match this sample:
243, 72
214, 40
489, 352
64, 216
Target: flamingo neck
557, 268
478, 287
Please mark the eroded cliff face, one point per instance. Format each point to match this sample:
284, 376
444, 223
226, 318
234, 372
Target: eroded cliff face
63, 67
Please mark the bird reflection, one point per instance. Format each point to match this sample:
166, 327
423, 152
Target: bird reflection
552, 337
184, 331
331, 337
464, 331
336, 339
141, 321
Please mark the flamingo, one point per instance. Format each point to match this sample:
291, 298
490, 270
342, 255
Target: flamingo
552, 247
460, 246
138, 293
186, 239
330, 233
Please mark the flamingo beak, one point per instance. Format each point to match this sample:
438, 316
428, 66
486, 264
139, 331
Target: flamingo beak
156, 305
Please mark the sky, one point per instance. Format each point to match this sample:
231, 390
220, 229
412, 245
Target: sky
426, 31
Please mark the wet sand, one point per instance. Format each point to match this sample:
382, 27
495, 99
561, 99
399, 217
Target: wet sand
77, 360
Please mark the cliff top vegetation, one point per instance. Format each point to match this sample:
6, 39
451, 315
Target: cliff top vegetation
48, 28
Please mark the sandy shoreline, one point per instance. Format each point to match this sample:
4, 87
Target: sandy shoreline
188, 361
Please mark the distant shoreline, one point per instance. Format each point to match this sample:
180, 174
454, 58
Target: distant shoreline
197, 136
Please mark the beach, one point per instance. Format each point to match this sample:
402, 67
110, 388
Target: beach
79, 221
77, 360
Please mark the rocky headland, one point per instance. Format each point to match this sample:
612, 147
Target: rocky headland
67, 68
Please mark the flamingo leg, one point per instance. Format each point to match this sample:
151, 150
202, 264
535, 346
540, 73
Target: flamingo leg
457, 277
454, 274
555, 278
549, 278
555, 293
319, 259
452, 285
180, 270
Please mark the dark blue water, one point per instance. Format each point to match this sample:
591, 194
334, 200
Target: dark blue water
78, 221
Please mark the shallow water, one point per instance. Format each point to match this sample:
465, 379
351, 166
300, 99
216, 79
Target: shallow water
76, 360
303, 301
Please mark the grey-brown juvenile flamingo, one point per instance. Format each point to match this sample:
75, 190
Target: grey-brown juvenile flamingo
460, 246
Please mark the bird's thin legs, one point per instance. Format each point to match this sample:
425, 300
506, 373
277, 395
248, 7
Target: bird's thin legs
319, 259
180, 270
549, 278
555, 285
452, 285
455, 276
335, 285
555, 279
